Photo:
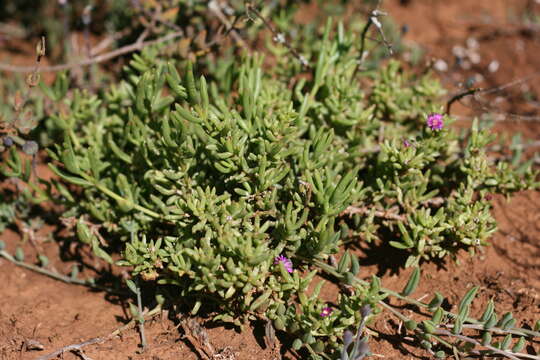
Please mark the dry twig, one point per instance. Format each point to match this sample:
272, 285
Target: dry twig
388, 214
216, 10
278, 37
198, 337
78, 347
98, 59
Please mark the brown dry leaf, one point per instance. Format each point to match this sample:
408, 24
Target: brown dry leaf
18, 101
200, 39
170, 15
184, 46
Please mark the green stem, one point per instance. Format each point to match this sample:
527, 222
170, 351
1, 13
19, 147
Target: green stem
516, 331
119, 198
405, 319
141, 318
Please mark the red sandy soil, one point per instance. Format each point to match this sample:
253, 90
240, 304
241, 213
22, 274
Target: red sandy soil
55, 314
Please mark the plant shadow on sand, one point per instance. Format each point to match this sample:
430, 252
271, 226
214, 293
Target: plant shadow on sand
387, 259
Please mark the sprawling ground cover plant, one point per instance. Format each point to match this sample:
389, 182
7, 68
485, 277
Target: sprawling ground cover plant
237, 191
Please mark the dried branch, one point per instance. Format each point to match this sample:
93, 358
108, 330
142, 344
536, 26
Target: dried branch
106, 42
98, 340
73, 347
277, 36
373, 19
505, 353
198, 337
216, 10
98, 59
57, 276
156, 17
388, 214
460, 96
486, 106
140, 318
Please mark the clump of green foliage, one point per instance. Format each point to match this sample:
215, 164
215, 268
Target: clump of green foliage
237, 191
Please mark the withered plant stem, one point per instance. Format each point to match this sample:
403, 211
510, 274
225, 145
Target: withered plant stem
98, 59
57, 276
99, 340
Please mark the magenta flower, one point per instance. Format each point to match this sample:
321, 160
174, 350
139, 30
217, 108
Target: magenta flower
406, 143
326, 311
435, 121
286, 262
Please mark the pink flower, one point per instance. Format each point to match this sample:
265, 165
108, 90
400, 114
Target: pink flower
326, 311
435, 121
286, 263
406, 143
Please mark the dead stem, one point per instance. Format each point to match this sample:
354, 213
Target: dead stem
57, 276
98, 59
98, 340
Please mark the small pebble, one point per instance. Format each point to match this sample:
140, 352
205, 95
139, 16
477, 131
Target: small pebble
472, 43
493, 66
440, 65
475, 57
459, 51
